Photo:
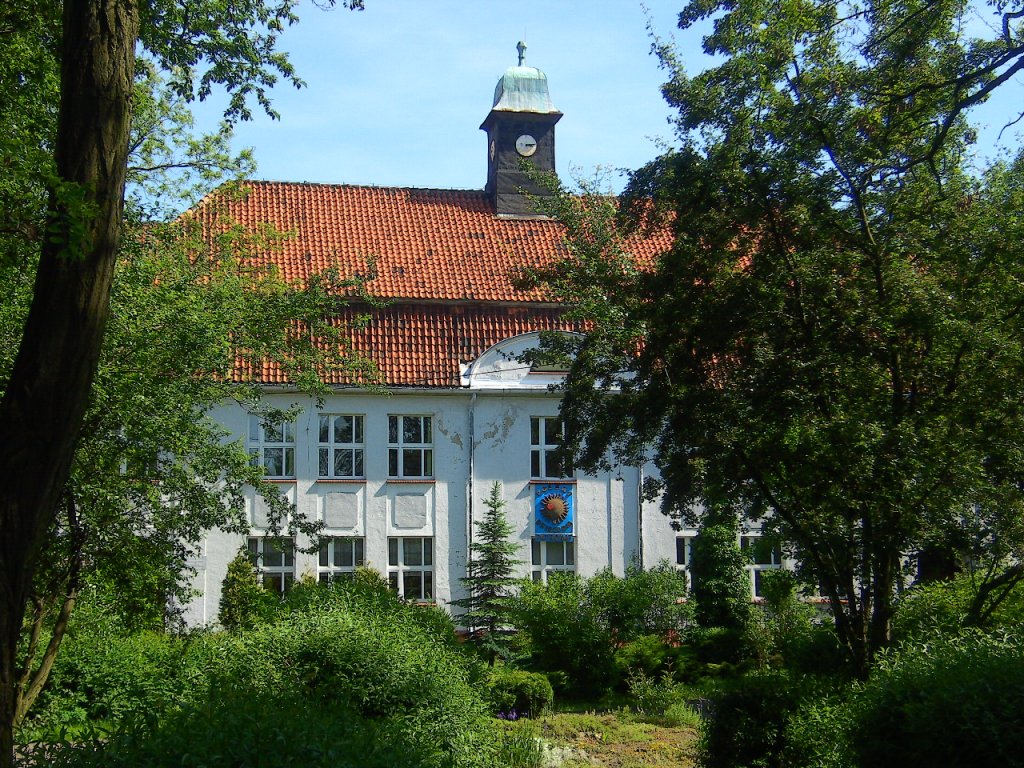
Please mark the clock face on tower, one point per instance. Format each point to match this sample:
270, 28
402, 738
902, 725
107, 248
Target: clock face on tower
526, 145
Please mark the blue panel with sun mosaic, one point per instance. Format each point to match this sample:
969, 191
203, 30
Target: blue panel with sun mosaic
553, 511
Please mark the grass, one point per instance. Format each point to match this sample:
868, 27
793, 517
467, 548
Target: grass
615, 738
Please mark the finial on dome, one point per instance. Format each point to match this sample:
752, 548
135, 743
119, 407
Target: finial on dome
521, 47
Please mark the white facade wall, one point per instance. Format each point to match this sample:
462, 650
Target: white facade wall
481, 434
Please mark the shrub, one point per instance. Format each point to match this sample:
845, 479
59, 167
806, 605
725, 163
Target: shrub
649, 655
520, 692
566, 632
952, 701
927, 610
643, 602
237, 728
749, 722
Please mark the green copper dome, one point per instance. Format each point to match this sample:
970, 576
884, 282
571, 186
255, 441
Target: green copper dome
523, 89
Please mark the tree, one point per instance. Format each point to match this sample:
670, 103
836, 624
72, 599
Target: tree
721, 585
82, 172
488, 576
244, 601
833, 343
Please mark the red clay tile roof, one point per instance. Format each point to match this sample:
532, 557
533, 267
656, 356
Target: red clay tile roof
422, 345
441, 256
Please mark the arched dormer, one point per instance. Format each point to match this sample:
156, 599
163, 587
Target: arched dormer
501, 366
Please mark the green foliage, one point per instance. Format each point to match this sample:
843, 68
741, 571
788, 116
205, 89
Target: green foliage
647, 655
359, 664
489, 579
721, 585
518, 693
641, 602
747, 728
832, 343
926, 611
566, 632
950, 701
662, 698
575, 625
244, 602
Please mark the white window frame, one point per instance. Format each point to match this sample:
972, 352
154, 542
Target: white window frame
543, 465
331, 427
402, 451
266, 440
684, 554
340, 556
275, 561
411, 559
548, 557
750, 543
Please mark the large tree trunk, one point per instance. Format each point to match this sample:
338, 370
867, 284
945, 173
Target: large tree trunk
46, 396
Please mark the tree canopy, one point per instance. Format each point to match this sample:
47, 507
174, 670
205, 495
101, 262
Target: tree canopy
833, 343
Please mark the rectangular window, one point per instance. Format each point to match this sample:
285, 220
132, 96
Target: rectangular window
411, 568
546, 436
683, 556
341, 446
765, 555
272, 446
410, 447
339, 558
549, 556
275, 561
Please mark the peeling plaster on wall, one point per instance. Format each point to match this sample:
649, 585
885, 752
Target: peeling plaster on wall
498, 433
454, 437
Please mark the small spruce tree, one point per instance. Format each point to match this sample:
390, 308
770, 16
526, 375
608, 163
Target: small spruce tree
489, 579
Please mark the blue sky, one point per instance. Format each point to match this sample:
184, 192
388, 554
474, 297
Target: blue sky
396, 93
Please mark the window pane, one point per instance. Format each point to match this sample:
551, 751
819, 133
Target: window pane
359, 551
254, 428
412, 429
428, 551
272, 433
552, 431
412, 551
393, 580
253, 545
272, 556
392, 429
325, 554
535, 551
324, 578
392, 551
289, 462
537, 576
343, 553
393, 462
428, 463
325, 422
556, 553
273, 582
357, 422
570, 553
426, 430
343, 429
289, 432
428, 585
288, 553
534, 430
343, 463
681, 543
412, 463
535, 464
357, 467
412, 585
273, 461
323, 462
